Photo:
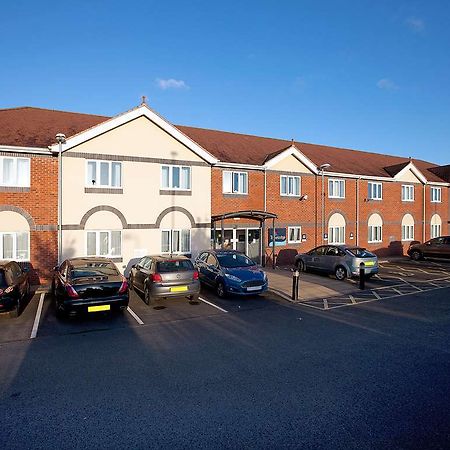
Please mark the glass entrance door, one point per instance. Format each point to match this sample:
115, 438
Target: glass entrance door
254, 244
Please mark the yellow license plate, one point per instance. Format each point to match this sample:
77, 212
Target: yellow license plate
370, 263
99, 308
178, 289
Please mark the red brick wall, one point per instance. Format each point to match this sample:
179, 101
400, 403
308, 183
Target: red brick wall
41, 203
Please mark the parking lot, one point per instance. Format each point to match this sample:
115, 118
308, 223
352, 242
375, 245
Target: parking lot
395, 279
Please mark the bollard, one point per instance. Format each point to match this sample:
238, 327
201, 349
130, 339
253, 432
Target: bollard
362, 277
295, 279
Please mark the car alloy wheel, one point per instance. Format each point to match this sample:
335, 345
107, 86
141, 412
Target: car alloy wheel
147, 298
340, 273
416, 255
301, 266
220, 290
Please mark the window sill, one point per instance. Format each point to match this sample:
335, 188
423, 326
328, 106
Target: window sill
235, 194
174, 192
101, 190
14, 189
336, 198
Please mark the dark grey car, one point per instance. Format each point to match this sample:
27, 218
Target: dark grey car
341, 260
160, 277
435, 248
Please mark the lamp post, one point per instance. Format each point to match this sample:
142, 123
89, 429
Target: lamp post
61, 139
322, 167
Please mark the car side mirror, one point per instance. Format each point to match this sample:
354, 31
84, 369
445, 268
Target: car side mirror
25, 269
56, 268
428, 243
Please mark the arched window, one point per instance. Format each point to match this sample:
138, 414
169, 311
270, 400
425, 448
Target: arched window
336, 229
104, 235
375, 224
14, 236
436, 225
407, 228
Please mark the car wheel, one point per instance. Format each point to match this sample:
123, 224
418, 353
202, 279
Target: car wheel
301, 266
340, 273
130, 283
16, 311
147, 296
416, 255
220, 290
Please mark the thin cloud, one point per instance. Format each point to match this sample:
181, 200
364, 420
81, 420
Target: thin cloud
171, 83
415, 24
386, 84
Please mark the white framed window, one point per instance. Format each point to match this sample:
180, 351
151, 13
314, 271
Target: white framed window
104, 243
407, 232
235, 182
176, 241
375, 191
436, 195
407, 193
436, 226
107, 174
176, 177
290, 185
14, 171
15, 245
336, 235
336, 188
294, 235
375, 233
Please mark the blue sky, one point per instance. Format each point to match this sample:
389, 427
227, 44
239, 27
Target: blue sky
372, 75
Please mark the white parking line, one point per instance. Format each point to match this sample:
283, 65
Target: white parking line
37, 317
135, 316
213, 305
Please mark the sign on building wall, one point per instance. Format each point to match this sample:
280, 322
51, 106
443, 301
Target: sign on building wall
280, 236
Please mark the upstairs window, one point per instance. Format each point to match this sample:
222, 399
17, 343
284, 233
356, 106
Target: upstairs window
436, 195
336, 188
176, 177
290, 185
235, 182
14, 172
106, 174
375, 191
407, 193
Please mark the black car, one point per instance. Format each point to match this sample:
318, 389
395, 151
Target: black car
438, 247
14, 287
89, 285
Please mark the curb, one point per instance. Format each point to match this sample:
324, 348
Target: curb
281, 294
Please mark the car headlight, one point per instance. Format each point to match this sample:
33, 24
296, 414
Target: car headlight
265, 277
233, 278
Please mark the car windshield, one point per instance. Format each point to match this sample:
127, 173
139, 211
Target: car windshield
3, 282
360, 252
234, 260
180, 265
93, 269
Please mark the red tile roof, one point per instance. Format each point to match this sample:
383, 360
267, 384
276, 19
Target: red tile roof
37, 127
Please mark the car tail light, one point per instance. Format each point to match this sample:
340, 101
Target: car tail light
195, 276
71, 291
157, 278
123, 286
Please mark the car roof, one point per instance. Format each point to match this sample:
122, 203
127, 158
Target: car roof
87, 259
220, 251
167, 257
5, 262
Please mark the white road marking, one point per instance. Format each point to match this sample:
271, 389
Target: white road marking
325, 303
376, 295
37, 317
135, 316
352, 299
212, 304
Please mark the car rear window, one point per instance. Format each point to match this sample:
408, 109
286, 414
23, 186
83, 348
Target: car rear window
234, 260
3, 282
93, 269
361, 253
175, 265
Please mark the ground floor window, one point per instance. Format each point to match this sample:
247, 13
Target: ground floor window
375, 233
407, 232
435, 230
294, 235
336, 235
176, 241
15, 245
104, 243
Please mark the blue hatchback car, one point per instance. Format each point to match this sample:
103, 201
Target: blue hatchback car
230, 272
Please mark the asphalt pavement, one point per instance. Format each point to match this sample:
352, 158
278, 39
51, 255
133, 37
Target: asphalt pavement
257, 373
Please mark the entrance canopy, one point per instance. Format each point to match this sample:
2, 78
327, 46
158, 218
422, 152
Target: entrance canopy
260, 216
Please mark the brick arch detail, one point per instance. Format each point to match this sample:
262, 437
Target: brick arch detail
173, 209
22, 212
339, 211
111, 209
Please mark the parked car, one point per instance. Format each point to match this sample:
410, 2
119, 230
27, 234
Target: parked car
14, 287
437, 247
341, 260
89, 285
161, 277
230, 272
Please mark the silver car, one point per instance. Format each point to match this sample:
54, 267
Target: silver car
341, 260
159, 277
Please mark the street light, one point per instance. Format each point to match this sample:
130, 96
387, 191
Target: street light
321, 168
61, 139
